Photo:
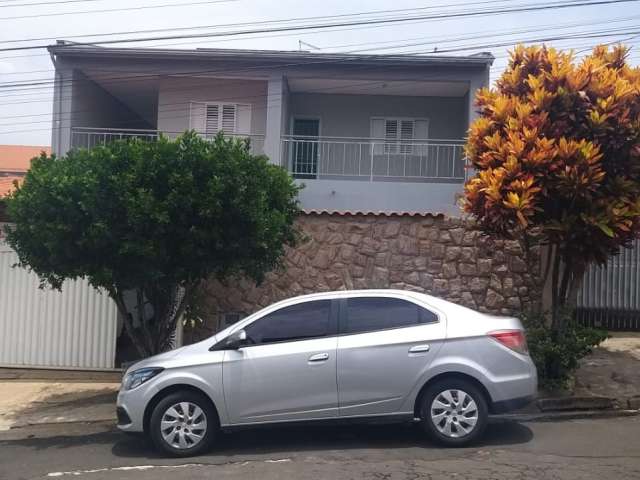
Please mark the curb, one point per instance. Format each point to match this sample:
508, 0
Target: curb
565, 415
62, 423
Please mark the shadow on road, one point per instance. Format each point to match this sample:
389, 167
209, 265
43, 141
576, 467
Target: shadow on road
269, 440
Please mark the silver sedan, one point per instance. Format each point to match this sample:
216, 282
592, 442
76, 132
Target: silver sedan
364, 354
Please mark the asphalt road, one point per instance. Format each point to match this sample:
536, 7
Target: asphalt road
578, 449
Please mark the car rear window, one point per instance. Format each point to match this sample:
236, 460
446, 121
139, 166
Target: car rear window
366, 314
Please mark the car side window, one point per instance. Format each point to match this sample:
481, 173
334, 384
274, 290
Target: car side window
296, 322
367, 314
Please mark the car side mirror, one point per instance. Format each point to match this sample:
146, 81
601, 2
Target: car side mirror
236, 340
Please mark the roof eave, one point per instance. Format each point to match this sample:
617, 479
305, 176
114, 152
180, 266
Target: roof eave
75, 50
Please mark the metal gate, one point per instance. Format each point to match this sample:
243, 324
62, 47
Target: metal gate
74, 328
610, 295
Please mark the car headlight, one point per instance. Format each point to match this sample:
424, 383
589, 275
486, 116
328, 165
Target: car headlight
140, 376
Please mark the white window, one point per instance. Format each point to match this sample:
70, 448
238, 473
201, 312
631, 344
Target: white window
398, 135
209, 118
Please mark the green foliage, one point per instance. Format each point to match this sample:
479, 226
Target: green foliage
153, 217
556, 148
556, 352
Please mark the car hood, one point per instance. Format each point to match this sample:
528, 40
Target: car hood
178, 357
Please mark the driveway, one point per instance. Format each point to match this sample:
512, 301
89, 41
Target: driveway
578, 449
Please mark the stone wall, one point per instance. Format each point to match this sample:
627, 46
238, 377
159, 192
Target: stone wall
441, 256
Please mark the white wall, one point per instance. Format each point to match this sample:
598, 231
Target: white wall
176, 93
350, 115
363, 196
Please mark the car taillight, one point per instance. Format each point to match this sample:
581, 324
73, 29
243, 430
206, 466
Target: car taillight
513, 339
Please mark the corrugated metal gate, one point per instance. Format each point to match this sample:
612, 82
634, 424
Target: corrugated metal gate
610, 295
75, 328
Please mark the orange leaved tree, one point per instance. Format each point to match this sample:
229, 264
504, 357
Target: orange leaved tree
556, 149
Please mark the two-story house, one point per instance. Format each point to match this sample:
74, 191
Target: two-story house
376, 139
379, 133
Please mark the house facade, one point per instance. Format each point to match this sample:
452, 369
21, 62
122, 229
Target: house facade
377, 141
379, 133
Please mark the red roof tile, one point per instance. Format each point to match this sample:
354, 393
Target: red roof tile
17, 158
6, 184
316, 211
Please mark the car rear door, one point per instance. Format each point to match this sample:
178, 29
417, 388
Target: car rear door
385, 347
289, 371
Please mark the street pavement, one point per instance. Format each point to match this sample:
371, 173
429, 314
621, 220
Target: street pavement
576, 449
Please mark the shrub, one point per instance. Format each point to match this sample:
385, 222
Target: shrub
556, 352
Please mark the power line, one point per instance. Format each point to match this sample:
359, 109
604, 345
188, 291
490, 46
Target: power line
109, 80
109, 10
460, 14
15, 5
165, 110
262, 22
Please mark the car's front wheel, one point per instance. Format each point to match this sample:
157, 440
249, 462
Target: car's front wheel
183, 424
454, 412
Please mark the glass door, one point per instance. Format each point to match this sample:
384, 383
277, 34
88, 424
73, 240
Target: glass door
306, 134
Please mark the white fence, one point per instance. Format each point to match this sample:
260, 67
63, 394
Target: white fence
75, 328
82, 137
374, 159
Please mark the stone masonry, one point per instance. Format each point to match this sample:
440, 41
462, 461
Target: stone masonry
446, 257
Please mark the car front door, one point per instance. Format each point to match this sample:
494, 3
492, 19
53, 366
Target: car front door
287, 371
384, 349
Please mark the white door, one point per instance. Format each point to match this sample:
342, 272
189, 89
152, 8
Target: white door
288, 370
384, 350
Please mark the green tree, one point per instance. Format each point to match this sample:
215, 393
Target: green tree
152, 220
556, 149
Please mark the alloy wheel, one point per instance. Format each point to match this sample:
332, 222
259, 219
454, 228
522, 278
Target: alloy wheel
183, 425
454, 413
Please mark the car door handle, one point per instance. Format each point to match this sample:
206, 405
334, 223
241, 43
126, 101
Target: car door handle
319, 357
419, 349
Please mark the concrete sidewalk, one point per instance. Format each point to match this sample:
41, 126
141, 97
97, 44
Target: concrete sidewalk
612, 370
25, 403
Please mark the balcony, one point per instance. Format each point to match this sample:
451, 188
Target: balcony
374, 159
90, 137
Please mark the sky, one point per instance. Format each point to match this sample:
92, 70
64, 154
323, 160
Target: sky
25, 112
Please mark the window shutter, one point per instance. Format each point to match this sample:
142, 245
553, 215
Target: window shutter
229, 119
212, 121
421, 134
406, 134
377, 133
243, 119
197, 114
390, 136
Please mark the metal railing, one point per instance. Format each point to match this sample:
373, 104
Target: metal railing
82, 137
610, 294
372, 159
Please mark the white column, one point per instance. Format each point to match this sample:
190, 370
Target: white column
62, 110
275, 109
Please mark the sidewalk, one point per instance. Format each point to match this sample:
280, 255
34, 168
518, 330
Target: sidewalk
612, 370
25, 403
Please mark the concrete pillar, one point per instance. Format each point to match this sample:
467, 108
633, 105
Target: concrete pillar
62, 110
275, 112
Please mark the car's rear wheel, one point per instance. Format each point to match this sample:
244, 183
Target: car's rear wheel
183, 424
454, 412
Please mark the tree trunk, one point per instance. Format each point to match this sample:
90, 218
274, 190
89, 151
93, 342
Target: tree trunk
154, 334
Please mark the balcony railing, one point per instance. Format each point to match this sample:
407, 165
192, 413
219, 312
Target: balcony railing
371, 159
90, 137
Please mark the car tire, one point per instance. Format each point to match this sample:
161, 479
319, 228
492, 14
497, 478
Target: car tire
454, 412
179, 435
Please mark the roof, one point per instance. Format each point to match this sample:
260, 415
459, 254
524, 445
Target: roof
17, 158
63, 48
7, 185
